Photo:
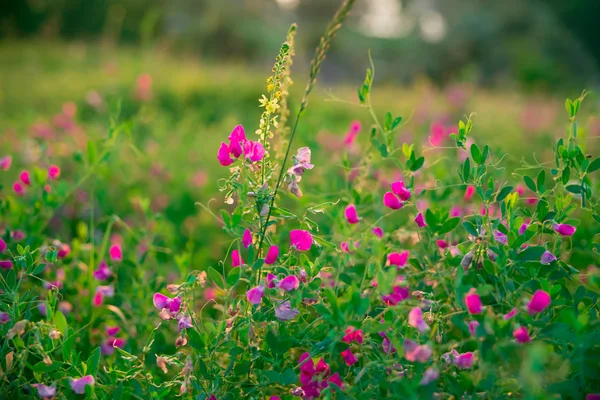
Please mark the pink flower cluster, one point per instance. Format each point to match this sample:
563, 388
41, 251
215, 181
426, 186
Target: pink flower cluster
315, 378
239, 145
397, 196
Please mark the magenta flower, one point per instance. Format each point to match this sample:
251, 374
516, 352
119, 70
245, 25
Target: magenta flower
223, 155
285, 312
415, 319
353, 334
18, 188
510, 314
6, 264
288, 283
3, 245
465, 360
272, 255
469, 192
78, 385
391, 201
442, 244
168, 307
398, 259
300, 239
254, 151
351, 214
564, 229
110, 344
4, 318
255, 294
63, 250
349, 358
25, 177
399, 293
247, 238
237, 138
547, 258
431, 374
115, 252
352, 133
102, 273
523, 228
538, 302
272, 280
401, 191
473, 327
53, 172
456, 211
388, 347
377, 231
415, 352
521, 335
112, 330
473, 302
5, 162
420, 221
45, 392
236, 258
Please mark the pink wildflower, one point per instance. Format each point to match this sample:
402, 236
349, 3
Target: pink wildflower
53, 172
473, 325
247, 238
25, 177
5, 162
45, 392
415, 319
18, 189
285, 312
391, 201
473, 302
398, 259
272, 255
510, 314
115, 252
3, 245
521, 335
352, 133
256, 294
288, 283
102, 273
538, 302
353, 334
431, 374
351, 215
401, 191
420, 221
6, 264
78, 385
564, 229
236, 258
349, 358
223, 155
300, 239
415, 352
377, 231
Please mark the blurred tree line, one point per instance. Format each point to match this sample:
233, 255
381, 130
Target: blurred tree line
536, 43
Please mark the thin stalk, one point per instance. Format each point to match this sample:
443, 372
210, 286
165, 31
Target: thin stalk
315, 66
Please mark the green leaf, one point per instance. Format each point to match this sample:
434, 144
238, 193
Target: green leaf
466, 170
396, 122
476, 154
505, 191
470, 228
531, 253
41, 367
541, 178
60, 322
234, 276
573, 189
594, 166
92, 152
449, 225
542, 209
387, 122
529, 183
430, 218
215, 277
566, 175
68, 344
93, 361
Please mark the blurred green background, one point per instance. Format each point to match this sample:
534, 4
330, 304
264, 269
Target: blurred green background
530, 43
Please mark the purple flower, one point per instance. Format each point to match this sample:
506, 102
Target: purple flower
415, 352
3, 245
547, 258
184, 322
112, 330
45, 392
4, 318
564, 229
6, 264
78, 385
430, 375
500, 237
285, 312
523, 228
102, 273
